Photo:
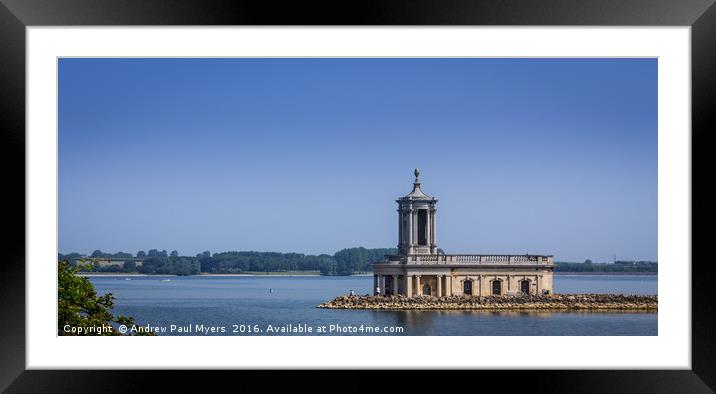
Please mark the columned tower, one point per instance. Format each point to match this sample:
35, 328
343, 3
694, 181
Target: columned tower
416, 222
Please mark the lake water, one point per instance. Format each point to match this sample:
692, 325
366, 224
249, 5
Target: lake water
242, 304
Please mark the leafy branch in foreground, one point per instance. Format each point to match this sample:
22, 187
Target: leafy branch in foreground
80, 310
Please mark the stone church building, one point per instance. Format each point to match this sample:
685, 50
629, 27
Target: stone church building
418, 268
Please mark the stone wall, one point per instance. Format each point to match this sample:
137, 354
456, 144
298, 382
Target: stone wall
451, 281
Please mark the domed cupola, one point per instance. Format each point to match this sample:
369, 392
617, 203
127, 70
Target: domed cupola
416, 221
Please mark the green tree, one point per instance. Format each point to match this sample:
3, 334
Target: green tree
79, 305
352, 260
129, 266
71, 257
328, 266
170, 266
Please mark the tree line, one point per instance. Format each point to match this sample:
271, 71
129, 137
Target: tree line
344, 262
618, 266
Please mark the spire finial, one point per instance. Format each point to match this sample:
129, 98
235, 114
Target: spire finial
417, 174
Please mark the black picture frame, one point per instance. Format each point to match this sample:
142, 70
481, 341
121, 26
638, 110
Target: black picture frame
16, 15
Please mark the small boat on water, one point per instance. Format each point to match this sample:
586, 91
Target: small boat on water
127, 278
165, 280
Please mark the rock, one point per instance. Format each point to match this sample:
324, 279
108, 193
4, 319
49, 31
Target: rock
502, 302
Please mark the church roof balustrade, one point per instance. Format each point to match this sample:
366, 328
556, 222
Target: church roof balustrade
526, 259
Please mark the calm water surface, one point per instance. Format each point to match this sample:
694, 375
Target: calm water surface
246, 302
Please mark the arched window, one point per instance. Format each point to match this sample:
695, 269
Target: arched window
525, 287
496, 287
426, 289
422, 226
467, 287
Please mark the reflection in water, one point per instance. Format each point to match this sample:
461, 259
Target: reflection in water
464, 322
420, 320
424, 319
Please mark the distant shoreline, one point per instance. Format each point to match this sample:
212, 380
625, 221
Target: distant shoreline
608, 273
114, 274
117, 274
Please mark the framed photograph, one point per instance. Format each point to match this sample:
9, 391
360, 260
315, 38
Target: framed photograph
479, 186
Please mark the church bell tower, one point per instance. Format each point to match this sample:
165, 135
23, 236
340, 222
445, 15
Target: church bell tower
416, 221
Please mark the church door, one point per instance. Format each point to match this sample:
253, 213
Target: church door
426, 289
525, 287
467, 287
496, 287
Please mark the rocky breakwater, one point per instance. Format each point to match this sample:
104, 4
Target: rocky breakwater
553, 302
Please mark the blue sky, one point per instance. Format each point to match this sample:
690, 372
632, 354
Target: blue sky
555, 156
